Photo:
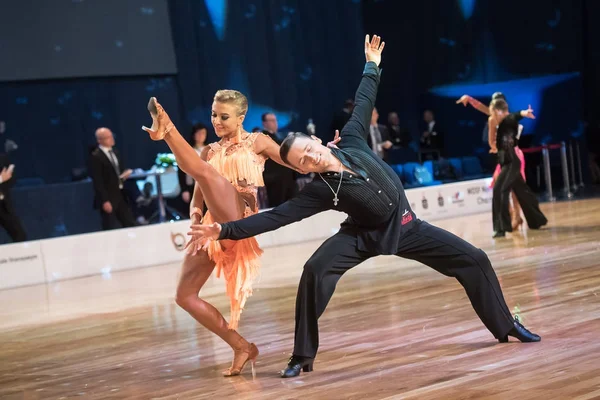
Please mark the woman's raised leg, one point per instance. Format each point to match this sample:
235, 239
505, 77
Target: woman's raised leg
221, 198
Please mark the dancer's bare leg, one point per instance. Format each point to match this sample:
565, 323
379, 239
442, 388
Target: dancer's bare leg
225, 205
221, 198
515, 212
195, 272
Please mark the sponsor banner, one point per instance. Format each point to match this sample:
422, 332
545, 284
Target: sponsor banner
116, 250
451, 200
104, 252
21, 264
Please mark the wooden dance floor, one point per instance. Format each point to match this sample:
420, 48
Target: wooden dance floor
394, 329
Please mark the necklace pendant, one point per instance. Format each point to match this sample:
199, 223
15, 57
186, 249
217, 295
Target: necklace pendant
335, 201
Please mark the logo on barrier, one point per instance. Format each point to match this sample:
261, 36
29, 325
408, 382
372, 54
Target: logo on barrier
459, 197
18, 259
440, 200
474, 190
479, 189
178, 241
484, 200
425, 203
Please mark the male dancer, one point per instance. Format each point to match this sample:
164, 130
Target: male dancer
354, 180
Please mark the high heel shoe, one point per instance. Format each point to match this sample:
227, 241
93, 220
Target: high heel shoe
517, 224
240, 359
161, 123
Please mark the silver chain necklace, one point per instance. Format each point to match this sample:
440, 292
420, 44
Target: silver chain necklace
335, 194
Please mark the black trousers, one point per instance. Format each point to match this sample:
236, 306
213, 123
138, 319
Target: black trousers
121, 216
510, 179
11, 222
441, 250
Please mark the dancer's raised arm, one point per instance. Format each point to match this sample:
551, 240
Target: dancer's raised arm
476, 104
358, 125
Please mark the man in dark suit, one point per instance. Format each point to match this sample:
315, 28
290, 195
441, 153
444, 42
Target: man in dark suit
8, 218
432, 136
280, 181
378, 139
399, 135
108, 174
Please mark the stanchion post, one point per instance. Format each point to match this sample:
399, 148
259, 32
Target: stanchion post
573, 180
547, 175
162, 214
579, 164
565, 169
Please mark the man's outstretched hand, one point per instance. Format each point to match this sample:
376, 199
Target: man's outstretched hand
373, 49
335, 141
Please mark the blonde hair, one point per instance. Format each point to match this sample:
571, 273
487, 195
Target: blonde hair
233, 97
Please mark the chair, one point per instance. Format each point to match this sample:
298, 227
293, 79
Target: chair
472, 168
456, 164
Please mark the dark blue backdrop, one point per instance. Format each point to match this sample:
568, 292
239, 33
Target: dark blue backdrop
298, 58
439, 50
301, 59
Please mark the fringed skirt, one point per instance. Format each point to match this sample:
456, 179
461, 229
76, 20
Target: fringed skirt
239, 265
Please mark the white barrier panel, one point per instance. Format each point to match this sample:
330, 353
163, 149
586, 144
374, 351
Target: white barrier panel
451, 200
116, 250
104, 252
21, 264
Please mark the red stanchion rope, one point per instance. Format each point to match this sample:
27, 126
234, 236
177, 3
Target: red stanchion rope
540, 148
533, 149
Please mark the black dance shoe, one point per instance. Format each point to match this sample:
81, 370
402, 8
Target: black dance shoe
520, 332
296, 364
499, 234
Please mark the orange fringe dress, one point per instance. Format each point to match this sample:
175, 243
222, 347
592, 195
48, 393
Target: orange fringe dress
239, 263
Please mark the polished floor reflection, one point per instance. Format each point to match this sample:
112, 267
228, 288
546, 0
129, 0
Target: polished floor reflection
394, 329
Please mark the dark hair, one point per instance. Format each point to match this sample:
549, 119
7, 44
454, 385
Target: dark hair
195, 129
263, 118
500, 104
287, 143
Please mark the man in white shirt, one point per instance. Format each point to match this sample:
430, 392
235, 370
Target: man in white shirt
378, 139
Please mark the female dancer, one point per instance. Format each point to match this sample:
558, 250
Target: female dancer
515, 208
227, 175
510, 178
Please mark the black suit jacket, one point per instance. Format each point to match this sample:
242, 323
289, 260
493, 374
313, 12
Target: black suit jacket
433, 142
183, 185
384, 135
5, 186
400, 137
274, 171
106, 181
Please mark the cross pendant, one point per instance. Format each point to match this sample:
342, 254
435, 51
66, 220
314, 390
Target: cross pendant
335, 201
